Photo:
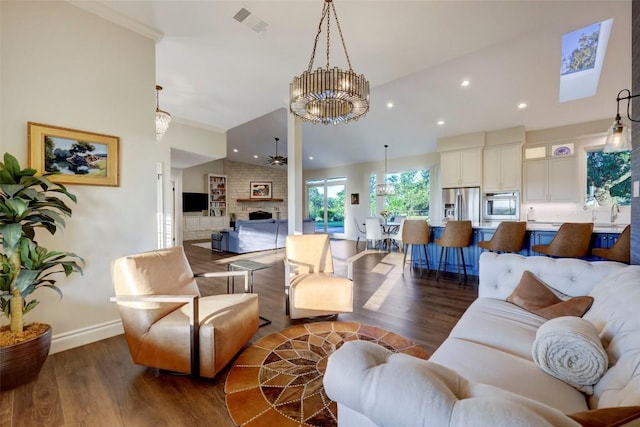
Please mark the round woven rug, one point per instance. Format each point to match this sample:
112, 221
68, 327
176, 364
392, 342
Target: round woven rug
278, 380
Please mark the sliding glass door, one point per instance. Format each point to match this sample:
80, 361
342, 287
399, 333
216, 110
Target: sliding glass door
326, 200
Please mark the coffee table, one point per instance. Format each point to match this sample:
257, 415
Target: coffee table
250, 266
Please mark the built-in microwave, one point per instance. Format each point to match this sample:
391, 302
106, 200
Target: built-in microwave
503, 206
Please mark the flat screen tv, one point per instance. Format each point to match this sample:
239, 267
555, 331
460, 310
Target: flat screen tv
195, 202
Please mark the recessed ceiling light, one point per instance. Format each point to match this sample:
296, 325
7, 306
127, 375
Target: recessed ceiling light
389, 104
522, 105
235, 150
465, 83
255, 156
440, 122
310, 157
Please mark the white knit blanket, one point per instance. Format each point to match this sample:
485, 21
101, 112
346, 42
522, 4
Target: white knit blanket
569, 348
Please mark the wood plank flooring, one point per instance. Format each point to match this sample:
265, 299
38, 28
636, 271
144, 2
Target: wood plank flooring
98, 384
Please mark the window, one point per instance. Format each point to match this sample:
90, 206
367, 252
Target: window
411, 196
608, 178
583, 52
326, 199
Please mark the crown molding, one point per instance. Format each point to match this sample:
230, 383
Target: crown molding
111, 15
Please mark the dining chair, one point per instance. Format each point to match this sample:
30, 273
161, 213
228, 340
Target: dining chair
359, 232
373, 230
396, 238
167, 323
621, 249
571, 241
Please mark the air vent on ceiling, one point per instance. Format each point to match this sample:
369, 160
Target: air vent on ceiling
242, 15
245, 17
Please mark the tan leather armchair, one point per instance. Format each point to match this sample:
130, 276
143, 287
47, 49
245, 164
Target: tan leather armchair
168, 325
311, 287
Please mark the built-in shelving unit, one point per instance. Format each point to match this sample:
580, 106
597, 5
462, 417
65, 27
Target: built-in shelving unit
217, 185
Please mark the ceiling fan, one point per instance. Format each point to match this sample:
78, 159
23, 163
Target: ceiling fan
277, 160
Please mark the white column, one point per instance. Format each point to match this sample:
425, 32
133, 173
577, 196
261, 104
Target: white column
295, 186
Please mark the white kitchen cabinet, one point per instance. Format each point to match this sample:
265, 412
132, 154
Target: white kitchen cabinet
551, 180
461, 168
502, 168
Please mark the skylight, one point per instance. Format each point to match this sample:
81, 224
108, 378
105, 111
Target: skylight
583, 54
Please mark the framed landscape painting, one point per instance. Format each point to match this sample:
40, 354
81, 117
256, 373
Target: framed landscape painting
260, 190
73, 156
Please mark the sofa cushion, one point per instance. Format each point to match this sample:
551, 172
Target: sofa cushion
482, 364
616, 315
501, 273
500, 325
395, 389
534, 295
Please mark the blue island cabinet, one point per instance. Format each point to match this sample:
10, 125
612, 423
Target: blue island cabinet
472, 252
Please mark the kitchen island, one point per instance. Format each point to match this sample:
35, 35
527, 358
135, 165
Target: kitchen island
538, 233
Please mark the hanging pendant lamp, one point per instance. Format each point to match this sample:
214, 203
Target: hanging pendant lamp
385, 189
329, 95
162, 117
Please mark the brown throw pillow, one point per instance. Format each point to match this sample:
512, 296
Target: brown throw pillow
535, 296
607, 417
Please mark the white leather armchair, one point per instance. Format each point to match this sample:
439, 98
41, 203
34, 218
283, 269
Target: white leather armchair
311, 287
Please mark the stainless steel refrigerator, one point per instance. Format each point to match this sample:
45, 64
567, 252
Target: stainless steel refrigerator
461, 204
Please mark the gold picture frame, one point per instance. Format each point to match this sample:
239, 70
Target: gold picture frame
74, 156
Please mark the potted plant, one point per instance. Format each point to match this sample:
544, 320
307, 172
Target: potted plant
28, 202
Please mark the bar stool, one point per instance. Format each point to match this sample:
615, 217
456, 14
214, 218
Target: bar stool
415, 232
621, 249
508, 237
571, 241
457, 234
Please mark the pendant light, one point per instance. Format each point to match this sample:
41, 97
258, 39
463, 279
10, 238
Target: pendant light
329, 95
385, 189
162, 117
619, 135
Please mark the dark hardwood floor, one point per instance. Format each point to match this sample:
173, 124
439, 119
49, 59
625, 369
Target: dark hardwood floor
98, 384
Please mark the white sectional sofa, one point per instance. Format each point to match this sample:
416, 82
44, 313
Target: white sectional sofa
484, 373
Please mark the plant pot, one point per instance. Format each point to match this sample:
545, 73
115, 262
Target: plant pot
21, 363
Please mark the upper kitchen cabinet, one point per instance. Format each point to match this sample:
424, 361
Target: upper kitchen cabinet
550, 173
461, 168
502, 168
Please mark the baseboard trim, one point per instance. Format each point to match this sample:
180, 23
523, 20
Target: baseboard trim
84, 336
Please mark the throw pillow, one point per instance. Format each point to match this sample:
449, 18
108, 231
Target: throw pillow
607, 417
535, 296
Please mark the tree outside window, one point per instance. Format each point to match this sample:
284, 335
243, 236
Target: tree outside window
411, 198
608, 178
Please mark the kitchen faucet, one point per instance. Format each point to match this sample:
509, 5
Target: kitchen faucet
615, 210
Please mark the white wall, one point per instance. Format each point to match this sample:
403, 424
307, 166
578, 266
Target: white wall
194, 179
210, 143
66, 67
